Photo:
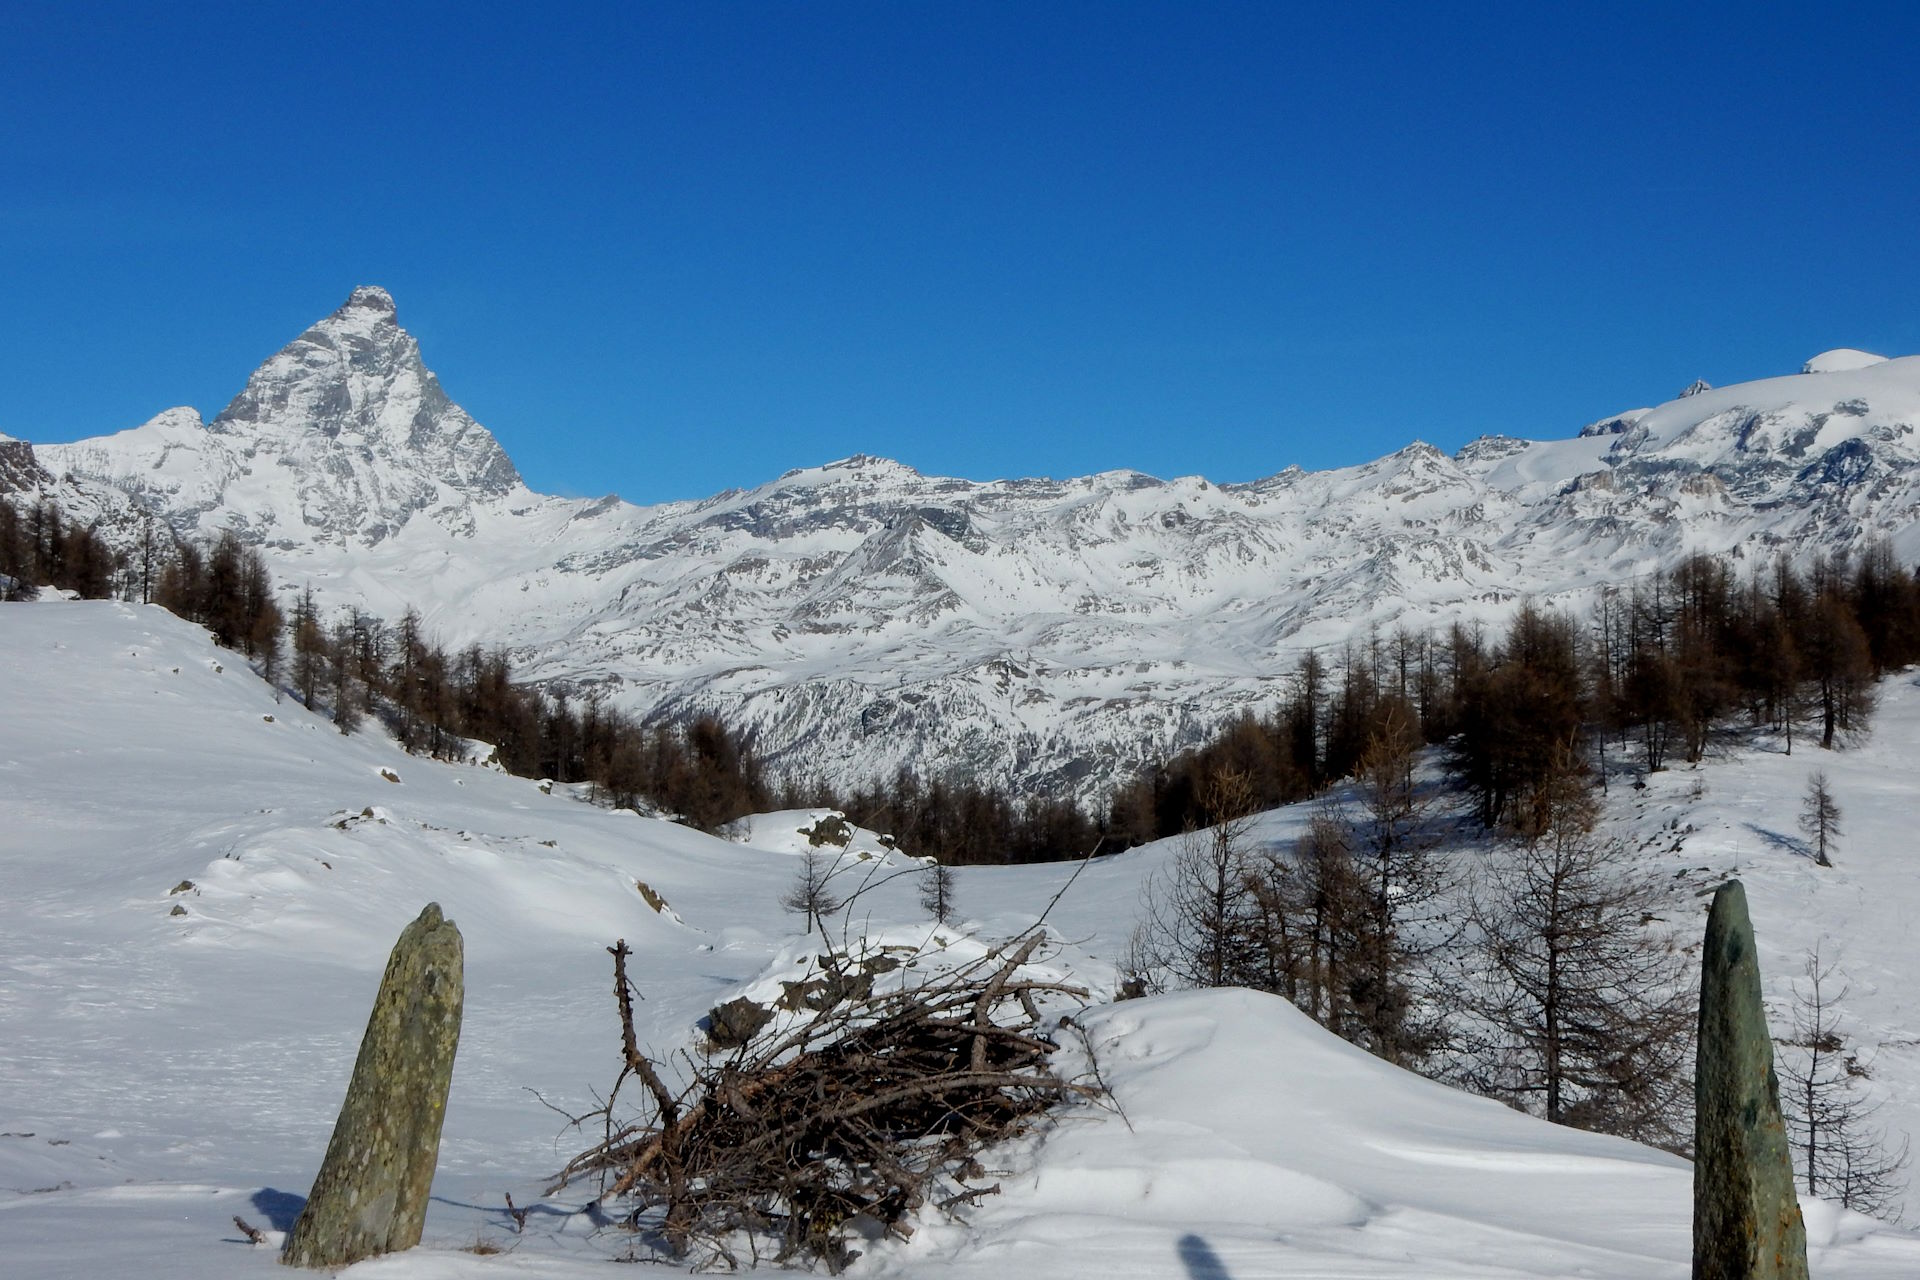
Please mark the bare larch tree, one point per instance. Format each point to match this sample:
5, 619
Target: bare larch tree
1587, 999
1829, 1119
1820, 817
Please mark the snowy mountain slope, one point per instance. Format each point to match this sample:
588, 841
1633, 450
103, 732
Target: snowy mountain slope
160, 1074
1047, 634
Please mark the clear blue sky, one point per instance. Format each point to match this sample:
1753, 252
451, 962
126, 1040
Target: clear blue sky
667, 249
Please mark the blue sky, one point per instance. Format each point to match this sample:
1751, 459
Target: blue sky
667, 249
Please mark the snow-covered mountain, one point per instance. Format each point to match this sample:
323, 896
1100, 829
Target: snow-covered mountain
340, 439
863, 617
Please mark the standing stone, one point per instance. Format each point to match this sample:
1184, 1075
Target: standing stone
1746, 1217
371, 1195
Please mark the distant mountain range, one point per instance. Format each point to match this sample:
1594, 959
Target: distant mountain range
860, 617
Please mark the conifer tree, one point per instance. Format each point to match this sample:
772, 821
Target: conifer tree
1820, 817
1829, 1122
309, 649
936, 892
344, 683
1587, 1002
809, 896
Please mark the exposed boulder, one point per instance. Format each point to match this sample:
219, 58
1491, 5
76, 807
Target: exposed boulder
832, 831
1746, 1216
732, 1024
371, 1194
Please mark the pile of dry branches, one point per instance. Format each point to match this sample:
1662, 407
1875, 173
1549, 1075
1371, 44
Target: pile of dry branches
866, 1110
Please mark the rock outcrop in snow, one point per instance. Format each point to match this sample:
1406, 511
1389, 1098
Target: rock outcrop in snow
1042, 633
19, 468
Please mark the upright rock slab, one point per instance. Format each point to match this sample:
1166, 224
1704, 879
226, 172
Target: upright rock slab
1746, 1216
371, 1195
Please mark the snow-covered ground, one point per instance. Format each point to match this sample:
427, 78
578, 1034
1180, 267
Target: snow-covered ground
161, 1073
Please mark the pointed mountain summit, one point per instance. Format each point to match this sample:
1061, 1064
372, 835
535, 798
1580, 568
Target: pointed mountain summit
342, 436
357, 378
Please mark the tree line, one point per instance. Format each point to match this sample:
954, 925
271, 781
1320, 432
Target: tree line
1545, 970
1652, 672
435, 701
959, 821
41, 547
440, 702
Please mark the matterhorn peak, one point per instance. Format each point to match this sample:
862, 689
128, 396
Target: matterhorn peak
367, 315
370, 297
343, 436
374, 438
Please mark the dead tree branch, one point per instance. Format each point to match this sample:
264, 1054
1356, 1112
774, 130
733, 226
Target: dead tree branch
870, 1106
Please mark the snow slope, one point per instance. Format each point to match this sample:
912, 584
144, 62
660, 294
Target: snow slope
161, 1073
1053, 635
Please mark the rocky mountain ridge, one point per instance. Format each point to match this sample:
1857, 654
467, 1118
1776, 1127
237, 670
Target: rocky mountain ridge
862, 617
20, 467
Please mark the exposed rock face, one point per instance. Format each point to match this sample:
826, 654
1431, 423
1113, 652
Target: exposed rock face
1746, 1217
19, 469
371, 1194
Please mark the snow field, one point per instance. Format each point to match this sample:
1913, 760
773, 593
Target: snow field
174, 1071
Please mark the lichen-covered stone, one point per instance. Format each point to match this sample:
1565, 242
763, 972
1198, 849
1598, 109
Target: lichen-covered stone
371, 1194
1746, 1217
